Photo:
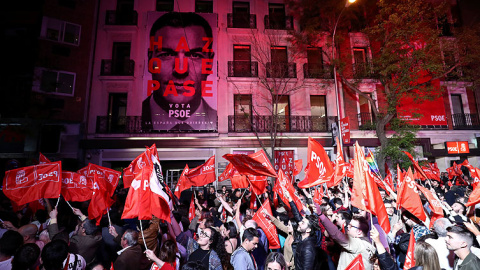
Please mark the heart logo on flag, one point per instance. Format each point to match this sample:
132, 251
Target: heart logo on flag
136, 184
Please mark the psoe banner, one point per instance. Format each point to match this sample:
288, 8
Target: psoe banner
345, 129
181, 75
458, 147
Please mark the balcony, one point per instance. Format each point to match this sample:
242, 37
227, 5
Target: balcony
281, 70
123, 124
292, 123
117, 68
366, 121
362, 71
317, 71
113, 17
242, 69
241, 20
465, 121
278, 22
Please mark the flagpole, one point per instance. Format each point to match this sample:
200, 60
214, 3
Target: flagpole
57, 201
143, 237
258, 198
69, 204
108, 215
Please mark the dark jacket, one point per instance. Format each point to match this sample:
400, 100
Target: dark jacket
471, 262
305, 254
385, 261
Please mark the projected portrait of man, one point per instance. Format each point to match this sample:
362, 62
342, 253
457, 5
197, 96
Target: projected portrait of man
180, 60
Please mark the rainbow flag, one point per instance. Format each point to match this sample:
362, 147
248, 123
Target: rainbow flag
372, 163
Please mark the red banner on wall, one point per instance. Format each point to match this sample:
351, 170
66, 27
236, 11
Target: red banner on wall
284, 160
458, 147
345, 129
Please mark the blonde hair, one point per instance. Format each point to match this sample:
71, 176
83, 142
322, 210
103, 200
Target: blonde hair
426, 256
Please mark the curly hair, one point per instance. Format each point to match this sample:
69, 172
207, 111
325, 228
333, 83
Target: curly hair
218, 245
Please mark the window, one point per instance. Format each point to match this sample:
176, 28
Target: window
366, 116
54, 81
164, 5
318, 107
60, 31
242, 112
276, 15
203, 6
314, 67
360, 66
283, 113
241, 14
241, 61
279, 66
117, 111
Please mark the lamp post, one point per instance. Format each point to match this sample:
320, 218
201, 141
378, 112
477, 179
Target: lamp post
335, 80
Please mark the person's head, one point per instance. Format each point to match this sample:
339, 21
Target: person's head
389, 207
212, 190
193, 266
325, 200
459, 208
129, 238
27, 257
168, 251
10, 242
440, 226
275, 261
343, 218
205, 238
308, 226
409, 219
337, 202
224, 189
292, 226
229, 230
29, 233
250, 239
426, 256
95, 265
53, 255
458, 239
87, 227
251, 224
358, 227
326, 209
182, 68
205, 222
435, 183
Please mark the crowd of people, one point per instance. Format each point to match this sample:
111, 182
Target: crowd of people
222, 235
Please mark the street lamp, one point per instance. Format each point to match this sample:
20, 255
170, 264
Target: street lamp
337, 94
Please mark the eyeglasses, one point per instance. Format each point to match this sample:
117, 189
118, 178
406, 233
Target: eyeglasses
351, 226
203, 234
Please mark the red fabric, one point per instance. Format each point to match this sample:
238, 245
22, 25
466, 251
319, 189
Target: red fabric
320, 169
474, 196
388, 177
433, 200
408, 198
267, 226
203, 174
283, 181
253, 201
410, 258
317, 195
474, 173
76, 187
101, 200
191, 210
366, 193
227, 173
147, 196
253, 164
298, 167
284, 160
43, 159
108, 176
258, 183
36, 205
182, 183
431, 172
237, 180
454, 171
340, 167
356, 264
415, 166
28, 184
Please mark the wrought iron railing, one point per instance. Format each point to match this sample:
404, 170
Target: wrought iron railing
241, 20
465, 121
292, 123
317, 71
117, 68
278, 22
281, 70
242, 69
113, 17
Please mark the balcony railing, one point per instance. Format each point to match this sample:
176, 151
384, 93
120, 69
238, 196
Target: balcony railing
123, 124
366, 121
362, 71
281, 70
292, 123
278, 22
113, 17
465, 121
117, 68
241, 20
242, 69
316, 71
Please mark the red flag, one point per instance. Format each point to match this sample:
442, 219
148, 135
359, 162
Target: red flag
191, 210
76, 187
228, 173
28, 184
340, 167
410, 258
203, 174
433, 200
320, 169
474, 196
237, 180
388, 177
101, 200
109, 176
253, 164
416, 166
43, 159
317, 195
298, 167
253, 201
408, 198
356, 264
267, 226
454, 171
474, 173
365, 193
283, 181
182, 183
